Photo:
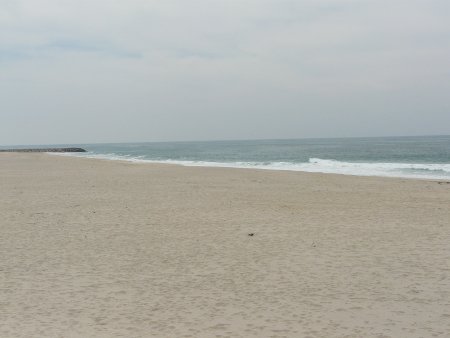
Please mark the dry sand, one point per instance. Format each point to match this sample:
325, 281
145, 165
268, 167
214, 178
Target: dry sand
93, 248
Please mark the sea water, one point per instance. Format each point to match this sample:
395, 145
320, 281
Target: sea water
414, 157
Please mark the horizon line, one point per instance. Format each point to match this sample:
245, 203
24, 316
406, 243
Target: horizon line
225, 140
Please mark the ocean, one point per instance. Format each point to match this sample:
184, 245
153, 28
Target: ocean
410, 157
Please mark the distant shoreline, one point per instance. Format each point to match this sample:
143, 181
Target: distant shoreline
44, 150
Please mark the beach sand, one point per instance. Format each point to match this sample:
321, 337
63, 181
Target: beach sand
95, 248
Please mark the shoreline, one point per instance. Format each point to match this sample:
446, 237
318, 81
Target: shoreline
43, 150
111, 249
179, 163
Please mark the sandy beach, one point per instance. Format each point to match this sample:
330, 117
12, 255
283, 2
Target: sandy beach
96, 248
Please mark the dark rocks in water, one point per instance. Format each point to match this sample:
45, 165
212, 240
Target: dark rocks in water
44, 150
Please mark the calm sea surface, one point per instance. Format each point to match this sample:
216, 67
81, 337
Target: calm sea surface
419, 157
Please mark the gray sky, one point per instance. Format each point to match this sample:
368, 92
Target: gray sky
87, 71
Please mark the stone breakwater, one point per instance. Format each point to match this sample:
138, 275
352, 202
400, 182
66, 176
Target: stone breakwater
44, 150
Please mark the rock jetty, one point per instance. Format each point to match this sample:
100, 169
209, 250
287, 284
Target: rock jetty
44, 150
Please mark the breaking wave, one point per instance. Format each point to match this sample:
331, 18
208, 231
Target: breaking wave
316, 165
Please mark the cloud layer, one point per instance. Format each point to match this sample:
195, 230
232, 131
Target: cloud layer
106, 71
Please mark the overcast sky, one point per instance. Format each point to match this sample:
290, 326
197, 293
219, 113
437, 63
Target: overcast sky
87, 71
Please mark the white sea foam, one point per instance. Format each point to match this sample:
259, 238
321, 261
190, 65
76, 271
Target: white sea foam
317, 165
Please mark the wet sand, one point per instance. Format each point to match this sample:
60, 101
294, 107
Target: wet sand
93, 248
